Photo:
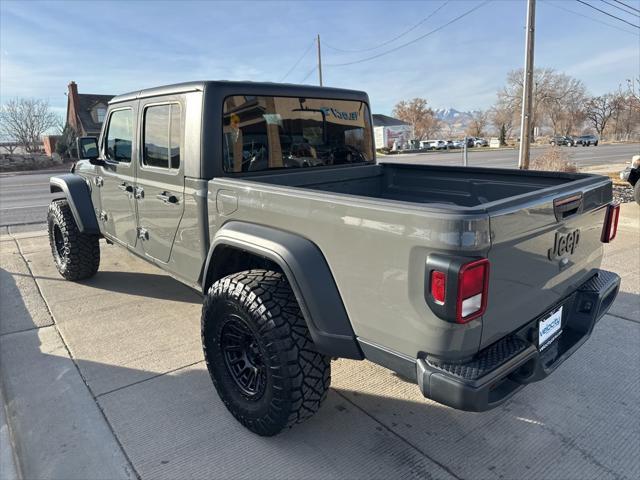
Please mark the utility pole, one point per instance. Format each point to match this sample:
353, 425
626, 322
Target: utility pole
319, 61
465, 153
527, 88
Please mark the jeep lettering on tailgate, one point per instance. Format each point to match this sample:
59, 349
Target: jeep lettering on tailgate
564, 243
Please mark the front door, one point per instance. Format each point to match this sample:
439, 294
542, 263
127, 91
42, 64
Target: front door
118, 209
160, 181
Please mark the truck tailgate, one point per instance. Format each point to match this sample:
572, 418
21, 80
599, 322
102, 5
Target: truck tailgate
539, 254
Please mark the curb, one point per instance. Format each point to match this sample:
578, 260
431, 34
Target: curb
9, 465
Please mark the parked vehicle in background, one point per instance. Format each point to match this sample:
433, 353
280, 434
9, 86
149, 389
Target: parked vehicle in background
438, 144
458, 144
632, 175
269, 201
561, 140
587, 140
481, 142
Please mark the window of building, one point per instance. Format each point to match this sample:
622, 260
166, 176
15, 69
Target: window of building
100, 113
120, 136
263, 133
162, 133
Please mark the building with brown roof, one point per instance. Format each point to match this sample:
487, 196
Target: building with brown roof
85, 111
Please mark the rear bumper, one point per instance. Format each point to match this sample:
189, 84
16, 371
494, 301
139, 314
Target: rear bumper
500, 370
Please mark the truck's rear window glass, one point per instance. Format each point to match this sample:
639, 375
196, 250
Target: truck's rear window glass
120, 135
263, 133
162, 136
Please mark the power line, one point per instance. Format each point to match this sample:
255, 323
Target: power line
459, 17
394, 38
620, 8
573, 12
299, 60
628, 6
607, 13
309, 74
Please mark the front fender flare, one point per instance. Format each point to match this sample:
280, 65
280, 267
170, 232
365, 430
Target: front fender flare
75, 189
309, 276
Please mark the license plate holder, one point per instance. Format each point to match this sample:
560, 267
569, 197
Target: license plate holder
549, 328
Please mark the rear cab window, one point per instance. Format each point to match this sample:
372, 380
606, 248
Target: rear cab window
265, 133
161, 136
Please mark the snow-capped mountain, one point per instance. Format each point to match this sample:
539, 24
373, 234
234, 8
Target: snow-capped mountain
452, 115
458, 121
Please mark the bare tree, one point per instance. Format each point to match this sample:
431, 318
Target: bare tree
555, 95
10, 147
448, 129
25, 120
417, 113
478, 124
625, 118
502, 116
599, 111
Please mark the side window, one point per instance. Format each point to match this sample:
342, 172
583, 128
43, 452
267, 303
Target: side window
175, 133
120, 136
162, 132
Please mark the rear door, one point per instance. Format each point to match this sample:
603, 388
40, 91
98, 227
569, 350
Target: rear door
541, 252
116, 178
159, 189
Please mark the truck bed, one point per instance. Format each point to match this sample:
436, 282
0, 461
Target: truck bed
452, 186
378, 224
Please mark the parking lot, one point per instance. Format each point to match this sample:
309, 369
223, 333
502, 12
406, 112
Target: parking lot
105, 379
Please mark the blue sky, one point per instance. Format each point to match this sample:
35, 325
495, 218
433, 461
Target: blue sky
115, 47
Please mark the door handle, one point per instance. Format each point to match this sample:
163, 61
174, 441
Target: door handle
166, 197
125, 188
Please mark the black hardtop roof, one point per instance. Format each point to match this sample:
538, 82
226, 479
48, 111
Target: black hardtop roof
225, 88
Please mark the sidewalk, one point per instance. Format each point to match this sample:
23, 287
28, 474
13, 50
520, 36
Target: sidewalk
105, 379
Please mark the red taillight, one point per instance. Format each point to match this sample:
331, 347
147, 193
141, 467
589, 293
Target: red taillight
473, 282
438, 286
610, 227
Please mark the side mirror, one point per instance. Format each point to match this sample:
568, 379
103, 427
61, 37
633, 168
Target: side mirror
87, 148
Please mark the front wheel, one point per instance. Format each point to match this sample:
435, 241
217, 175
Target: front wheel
259, 353
76, 254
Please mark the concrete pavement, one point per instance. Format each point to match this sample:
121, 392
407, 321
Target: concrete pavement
118, 357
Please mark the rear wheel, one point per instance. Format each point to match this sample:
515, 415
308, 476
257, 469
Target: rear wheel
259, 353
76, 254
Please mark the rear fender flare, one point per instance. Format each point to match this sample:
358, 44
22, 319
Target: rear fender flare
308, 274
77, 193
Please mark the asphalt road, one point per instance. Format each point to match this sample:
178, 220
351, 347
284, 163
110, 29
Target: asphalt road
485, 157
24, 198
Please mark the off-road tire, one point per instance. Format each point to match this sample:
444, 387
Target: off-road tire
296, 376
76, 254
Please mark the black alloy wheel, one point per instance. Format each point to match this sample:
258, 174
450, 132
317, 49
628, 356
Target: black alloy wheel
243, 358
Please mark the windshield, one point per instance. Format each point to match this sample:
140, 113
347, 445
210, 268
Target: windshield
264, 133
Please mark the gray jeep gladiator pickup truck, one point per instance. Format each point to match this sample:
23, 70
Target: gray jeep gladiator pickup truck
268, 199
